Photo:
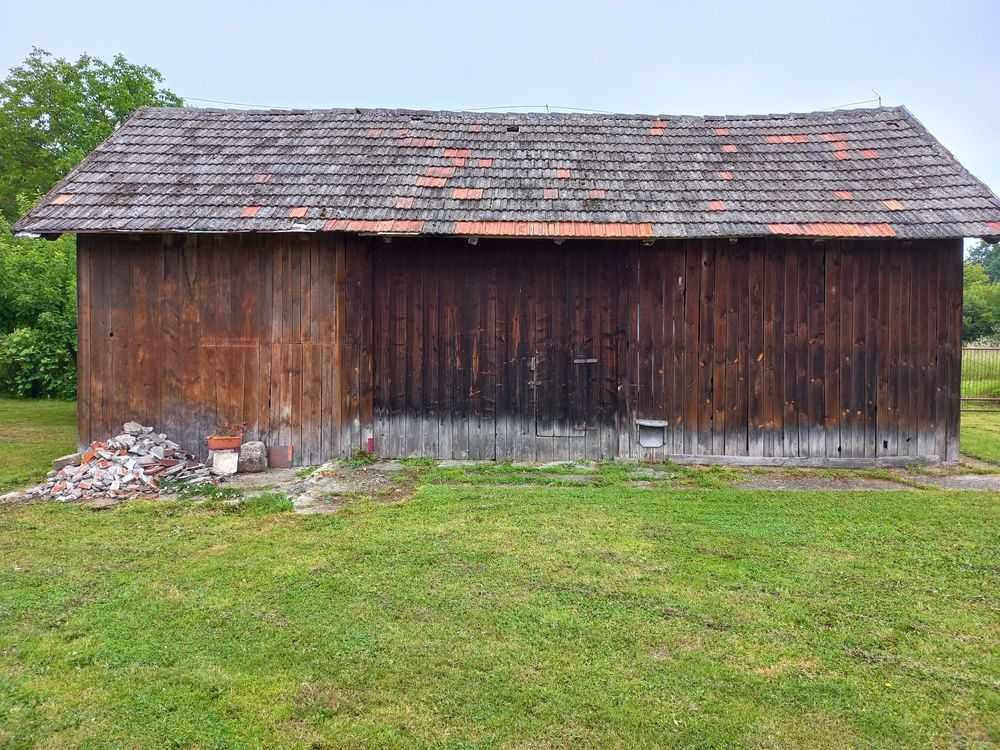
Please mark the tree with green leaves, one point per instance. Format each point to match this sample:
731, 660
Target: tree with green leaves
53, 112
980, 304
987, 255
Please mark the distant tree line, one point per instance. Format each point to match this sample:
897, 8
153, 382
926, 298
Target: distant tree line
52, 113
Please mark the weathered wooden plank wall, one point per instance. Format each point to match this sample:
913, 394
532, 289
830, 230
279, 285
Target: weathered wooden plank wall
527, 350
496, 351
435, 363
839, 349
195, 333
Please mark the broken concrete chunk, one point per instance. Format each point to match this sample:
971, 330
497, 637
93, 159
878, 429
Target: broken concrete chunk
225, 463
133, 428
71, 459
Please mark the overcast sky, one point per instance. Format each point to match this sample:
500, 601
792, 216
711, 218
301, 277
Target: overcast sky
712, 57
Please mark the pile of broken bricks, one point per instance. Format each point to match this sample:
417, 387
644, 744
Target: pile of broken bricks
138, 462
132, 463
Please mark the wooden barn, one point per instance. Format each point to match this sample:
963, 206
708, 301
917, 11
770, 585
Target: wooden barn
769, 289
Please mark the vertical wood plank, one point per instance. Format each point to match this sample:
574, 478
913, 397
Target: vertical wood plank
817, 353
791, 343
952, 258
692, 334
756, 418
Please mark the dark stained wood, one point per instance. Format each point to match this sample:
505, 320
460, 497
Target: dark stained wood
952, 317
883, 414
815, 424
692, 331
792, 344
774, 349
757, 330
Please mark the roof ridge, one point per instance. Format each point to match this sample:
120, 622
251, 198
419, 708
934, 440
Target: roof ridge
401, 111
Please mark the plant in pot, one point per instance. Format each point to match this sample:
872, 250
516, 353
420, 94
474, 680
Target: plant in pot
229, 437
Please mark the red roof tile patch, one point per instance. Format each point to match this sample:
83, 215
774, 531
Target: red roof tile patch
844, 195
729, 148
475, 127
870, 153
562, 173
994, 226
659, 123
406, 202
378, 226
485, 163
841, 155
413, 142
716, 205
462, 152
298, 212
249, 212
597, 193
656, 131
552, 229
62, 199
725, 174
374, 132
439, 172
833, 136
841, 145
722, 131
467, 194
457, 161
262, 178
795, 138
834, 229
893, 205
433, 182
550, 194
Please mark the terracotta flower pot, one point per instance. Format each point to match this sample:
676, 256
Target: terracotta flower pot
224, 442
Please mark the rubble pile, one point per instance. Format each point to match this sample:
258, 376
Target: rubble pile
133, 463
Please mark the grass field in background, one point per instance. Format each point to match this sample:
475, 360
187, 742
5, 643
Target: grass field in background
32, 433
981, 373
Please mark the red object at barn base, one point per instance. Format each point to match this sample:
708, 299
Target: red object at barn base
224, 442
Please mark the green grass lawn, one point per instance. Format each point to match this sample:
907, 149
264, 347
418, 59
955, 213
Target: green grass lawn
980, 436
480, 614
32, 433
488, 616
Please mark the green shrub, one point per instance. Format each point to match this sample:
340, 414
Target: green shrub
40, 362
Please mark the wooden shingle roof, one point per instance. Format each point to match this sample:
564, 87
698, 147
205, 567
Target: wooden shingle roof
847, 173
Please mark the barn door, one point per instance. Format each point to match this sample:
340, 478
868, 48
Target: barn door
565, 369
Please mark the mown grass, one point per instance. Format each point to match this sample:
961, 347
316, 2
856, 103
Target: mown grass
486, 615
32, 433
980, 436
